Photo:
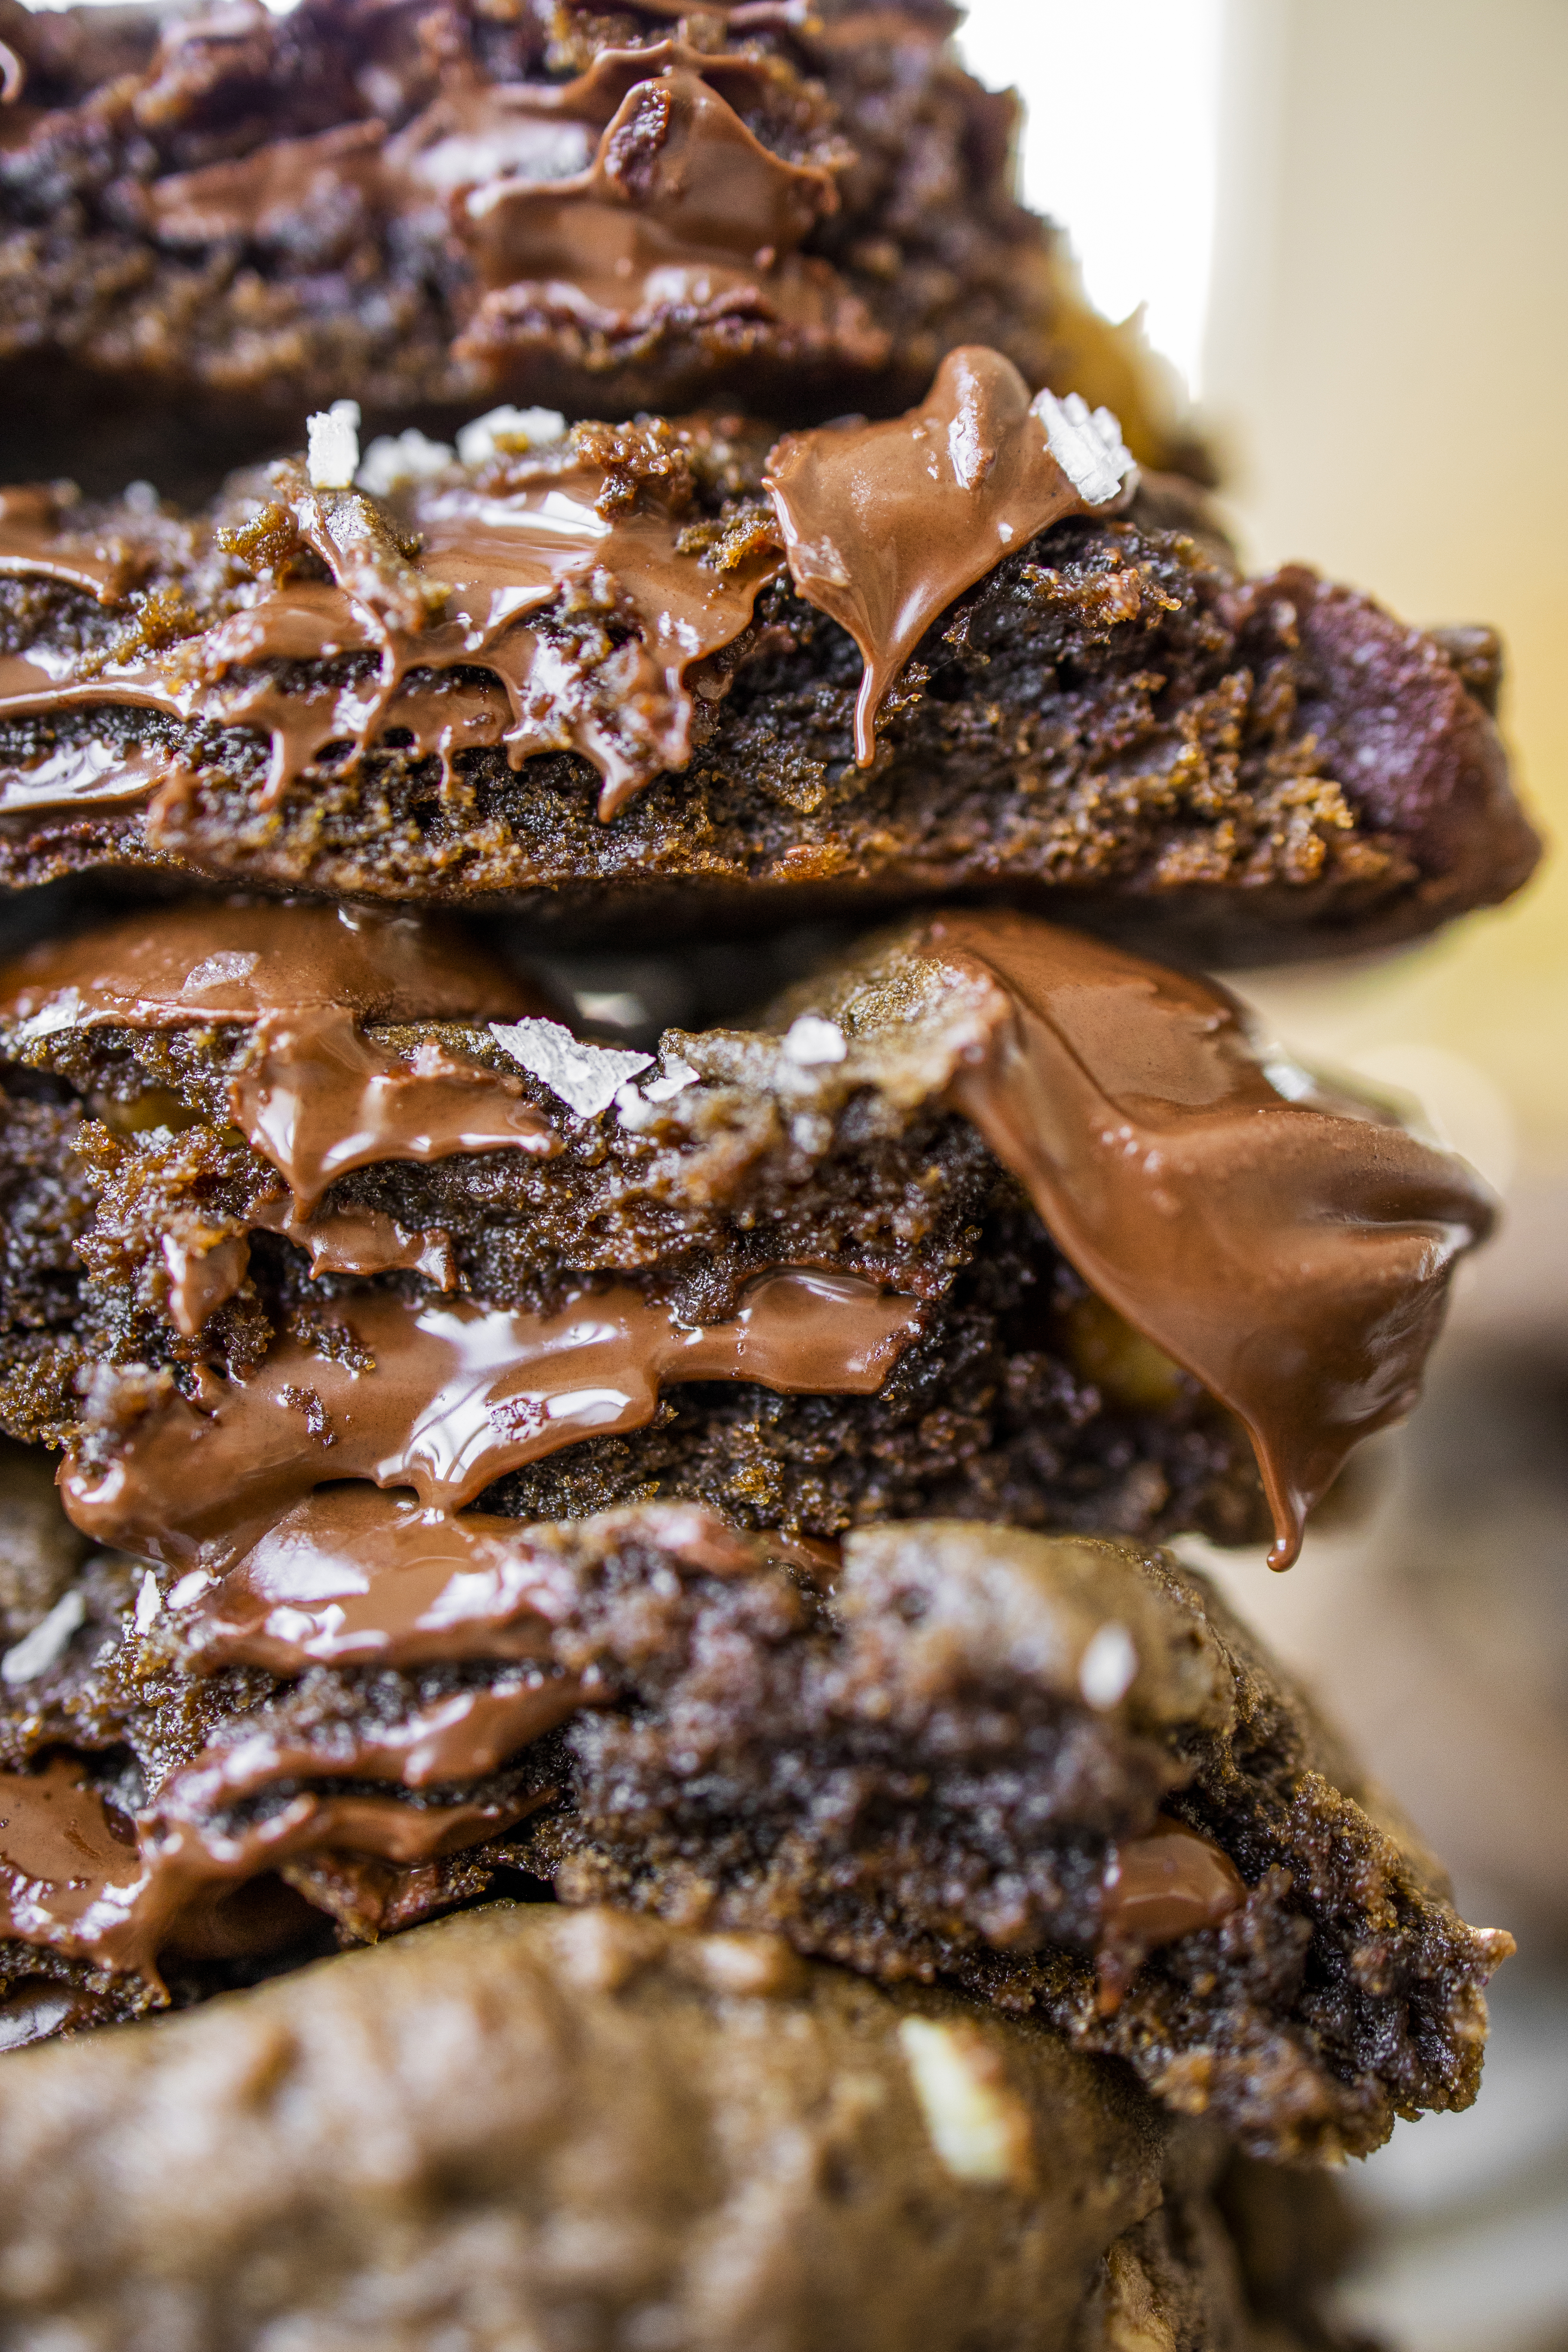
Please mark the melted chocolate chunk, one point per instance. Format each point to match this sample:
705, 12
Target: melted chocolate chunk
240, 960
447, 1398
1168, 1884
887, 525
681, 204
1291, 1247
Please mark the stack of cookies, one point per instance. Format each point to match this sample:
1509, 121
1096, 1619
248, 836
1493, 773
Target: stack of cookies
682, 1497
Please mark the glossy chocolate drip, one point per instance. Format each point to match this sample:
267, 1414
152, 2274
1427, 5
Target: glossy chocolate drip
885, 524
446, 1399
37, 539
500, 554
1292, 1252
79, 1877
217, 962
491, 557
85, 773
360, 1241
353, 1576
203, 1274
314, 1095
316, 1099
1158, 1888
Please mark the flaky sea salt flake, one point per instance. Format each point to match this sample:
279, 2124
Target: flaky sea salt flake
509, 430
586, 1078
1086, 445
393, 460
811, 1041
333, 445
48, 1643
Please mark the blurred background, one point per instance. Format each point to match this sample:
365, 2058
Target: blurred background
1347, 221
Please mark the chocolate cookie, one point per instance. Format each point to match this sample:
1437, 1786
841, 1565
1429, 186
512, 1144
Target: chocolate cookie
211, 223
590, 2131
1052, 1770
987, 1222
661, 676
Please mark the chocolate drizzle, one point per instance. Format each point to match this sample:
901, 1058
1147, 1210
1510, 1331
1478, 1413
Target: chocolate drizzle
446, 1399
885, 524
1291, 1250
496, 550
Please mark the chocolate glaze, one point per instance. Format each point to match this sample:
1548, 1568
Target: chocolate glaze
1293, 1254
203, 1274
1289, 1248
461, 1736
448, 1398
885, 524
